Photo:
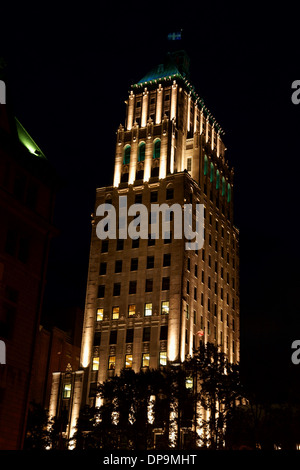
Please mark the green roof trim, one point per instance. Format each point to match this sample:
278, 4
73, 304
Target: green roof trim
28, 141
159, 72
163, 73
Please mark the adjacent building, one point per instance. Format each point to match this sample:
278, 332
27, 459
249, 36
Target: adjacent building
27, 193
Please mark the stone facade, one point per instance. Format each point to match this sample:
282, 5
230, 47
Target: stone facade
148, 300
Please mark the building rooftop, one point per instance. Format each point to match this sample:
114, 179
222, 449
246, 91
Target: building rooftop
28, 141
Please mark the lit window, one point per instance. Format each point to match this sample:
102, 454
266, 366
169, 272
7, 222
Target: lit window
126, 159
211, 172
128, 361
115, 313
189, 164
112, 362
142, 149
156, 150
148, 310
95, 363
163, 358
145, 360
165, 307
189, 382
67, 391
131, 310
205, 165
100, 313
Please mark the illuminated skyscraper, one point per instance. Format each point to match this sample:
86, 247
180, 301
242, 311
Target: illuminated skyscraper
149, 301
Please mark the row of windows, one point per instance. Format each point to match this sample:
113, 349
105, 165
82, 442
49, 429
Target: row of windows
138, 199
141, 152
220, 182
215, 314
129, 361
134, 263
148, 309
130, 335
165, 285
145, 360
209, 300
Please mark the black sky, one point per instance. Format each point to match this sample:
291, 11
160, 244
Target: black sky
70, 69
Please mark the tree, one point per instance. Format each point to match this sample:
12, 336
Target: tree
218, 391
37, 433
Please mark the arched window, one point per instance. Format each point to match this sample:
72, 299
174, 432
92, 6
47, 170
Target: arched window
217, 179
156, 149
205, 165
126, 159
212, 171
142, 149
228, 192
223, 186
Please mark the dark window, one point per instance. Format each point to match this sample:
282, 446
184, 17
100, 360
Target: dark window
132, 287
163, 333
165, 283
188, 264
101, 291
138, 199
120, 244
11, 242
102, 269
117, 288
124, 177
134, 264
135, 243
150, 262
196, 270
139, 175
118, 266
97, 338
153, 196
195, 293
104, 247
170, 193
146, 333
113, 337
129, 335
187, 287
155, 172
167, 259
149, 285
151, 241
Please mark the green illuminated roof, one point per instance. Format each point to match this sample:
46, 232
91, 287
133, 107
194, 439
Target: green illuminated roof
28, 141
174, 69
159, 72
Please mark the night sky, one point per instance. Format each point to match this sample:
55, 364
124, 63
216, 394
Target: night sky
70, 70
